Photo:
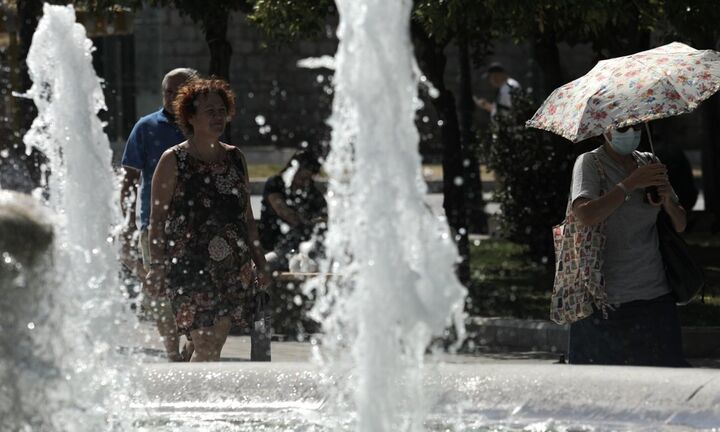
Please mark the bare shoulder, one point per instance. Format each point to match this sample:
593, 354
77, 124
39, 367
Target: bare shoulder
231, 148
168, 160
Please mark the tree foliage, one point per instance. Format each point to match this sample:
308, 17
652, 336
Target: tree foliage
285, 20
694, 21
532, 169
207, 12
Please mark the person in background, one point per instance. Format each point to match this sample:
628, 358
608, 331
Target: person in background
292, 208
499, 79
203, 237
642, 326
150, 137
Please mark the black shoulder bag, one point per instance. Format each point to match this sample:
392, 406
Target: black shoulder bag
685, 277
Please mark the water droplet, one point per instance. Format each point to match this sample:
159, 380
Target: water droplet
260, 120
458, 181
31, 325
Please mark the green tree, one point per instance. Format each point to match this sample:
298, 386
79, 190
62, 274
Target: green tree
612, 27
533, 174
695, 22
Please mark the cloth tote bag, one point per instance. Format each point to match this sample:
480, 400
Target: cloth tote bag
579, 286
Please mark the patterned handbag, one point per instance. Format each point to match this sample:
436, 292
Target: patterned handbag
579, 286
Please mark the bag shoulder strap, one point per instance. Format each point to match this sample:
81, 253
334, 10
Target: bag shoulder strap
603, 178
601, 173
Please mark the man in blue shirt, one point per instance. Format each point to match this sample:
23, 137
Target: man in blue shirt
150, 137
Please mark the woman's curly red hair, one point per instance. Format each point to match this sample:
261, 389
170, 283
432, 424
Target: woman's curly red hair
185, 103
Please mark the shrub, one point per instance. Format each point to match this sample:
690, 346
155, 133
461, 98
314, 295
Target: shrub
532, 170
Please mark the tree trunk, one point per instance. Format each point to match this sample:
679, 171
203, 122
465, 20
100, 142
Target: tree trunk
432, 61
547, 56
477, 219
28, 15
220, 54
711, 147
711, 160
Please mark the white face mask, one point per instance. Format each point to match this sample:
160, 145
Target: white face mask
624, 143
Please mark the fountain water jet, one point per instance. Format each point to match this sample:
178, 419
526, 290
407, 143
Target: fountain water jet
396, 286
69, 372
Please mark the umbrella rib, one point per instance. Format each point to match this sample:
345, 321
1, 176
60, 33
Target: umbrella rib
588, 99
689, 104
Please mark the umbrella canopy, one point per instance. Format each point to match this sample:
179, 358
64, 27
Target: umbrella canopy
662, 82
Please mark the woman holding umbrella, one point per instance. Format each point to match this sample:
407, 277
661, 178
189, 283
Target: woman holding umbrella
642, 326
612, 286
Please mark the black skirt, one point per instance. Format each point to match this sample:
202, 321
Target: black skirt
637, 333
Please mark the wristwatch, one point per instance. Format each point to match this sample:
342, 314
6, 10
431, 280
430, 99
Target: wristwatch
624, 189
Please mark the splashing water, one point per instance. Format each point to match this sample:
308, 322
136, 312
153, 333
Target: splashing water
393, 285
78, 380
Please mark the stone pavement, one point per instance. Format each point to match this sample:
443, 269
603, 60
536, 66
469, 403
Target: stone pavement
700, 344
237, 349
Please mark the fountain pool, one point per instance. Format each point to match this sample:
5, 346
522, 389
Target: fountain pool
396, 291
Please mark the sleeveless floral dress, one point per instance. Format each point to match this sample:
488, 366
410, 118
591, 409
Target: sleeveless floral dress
207, 247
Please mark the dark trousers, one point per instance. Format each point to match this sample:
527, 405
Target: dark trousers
638, 333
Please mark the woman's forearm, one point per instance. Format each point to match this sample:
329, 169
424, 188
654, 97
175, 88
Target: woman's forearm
677, 214
256, 250
156, 240
591, 212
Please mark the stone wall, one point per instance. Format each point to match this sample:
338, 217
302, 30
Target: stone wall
278, 103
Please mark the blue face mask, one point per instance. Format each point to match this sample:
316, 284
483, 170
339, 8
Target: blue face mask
626, 142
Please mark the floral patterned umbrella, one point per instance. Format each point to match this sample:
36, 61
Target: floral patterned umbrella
662, 82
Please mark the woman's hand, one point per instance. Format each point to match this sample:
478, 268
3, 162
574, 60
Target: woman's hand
654, 174
665, 196
154, 283
264, 279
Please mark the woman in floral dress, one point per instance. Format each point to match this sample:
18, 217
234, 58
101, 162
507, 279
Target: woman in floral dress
203, 238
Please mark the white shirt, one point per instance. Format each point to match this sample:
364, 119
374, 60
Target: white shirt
504, 98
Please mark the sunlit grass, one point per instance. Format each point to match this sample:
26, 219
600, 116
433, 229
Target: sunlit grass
506, 283
262, 171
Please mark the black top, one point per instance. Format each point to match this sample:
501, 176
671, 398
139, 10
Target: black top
310, 204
